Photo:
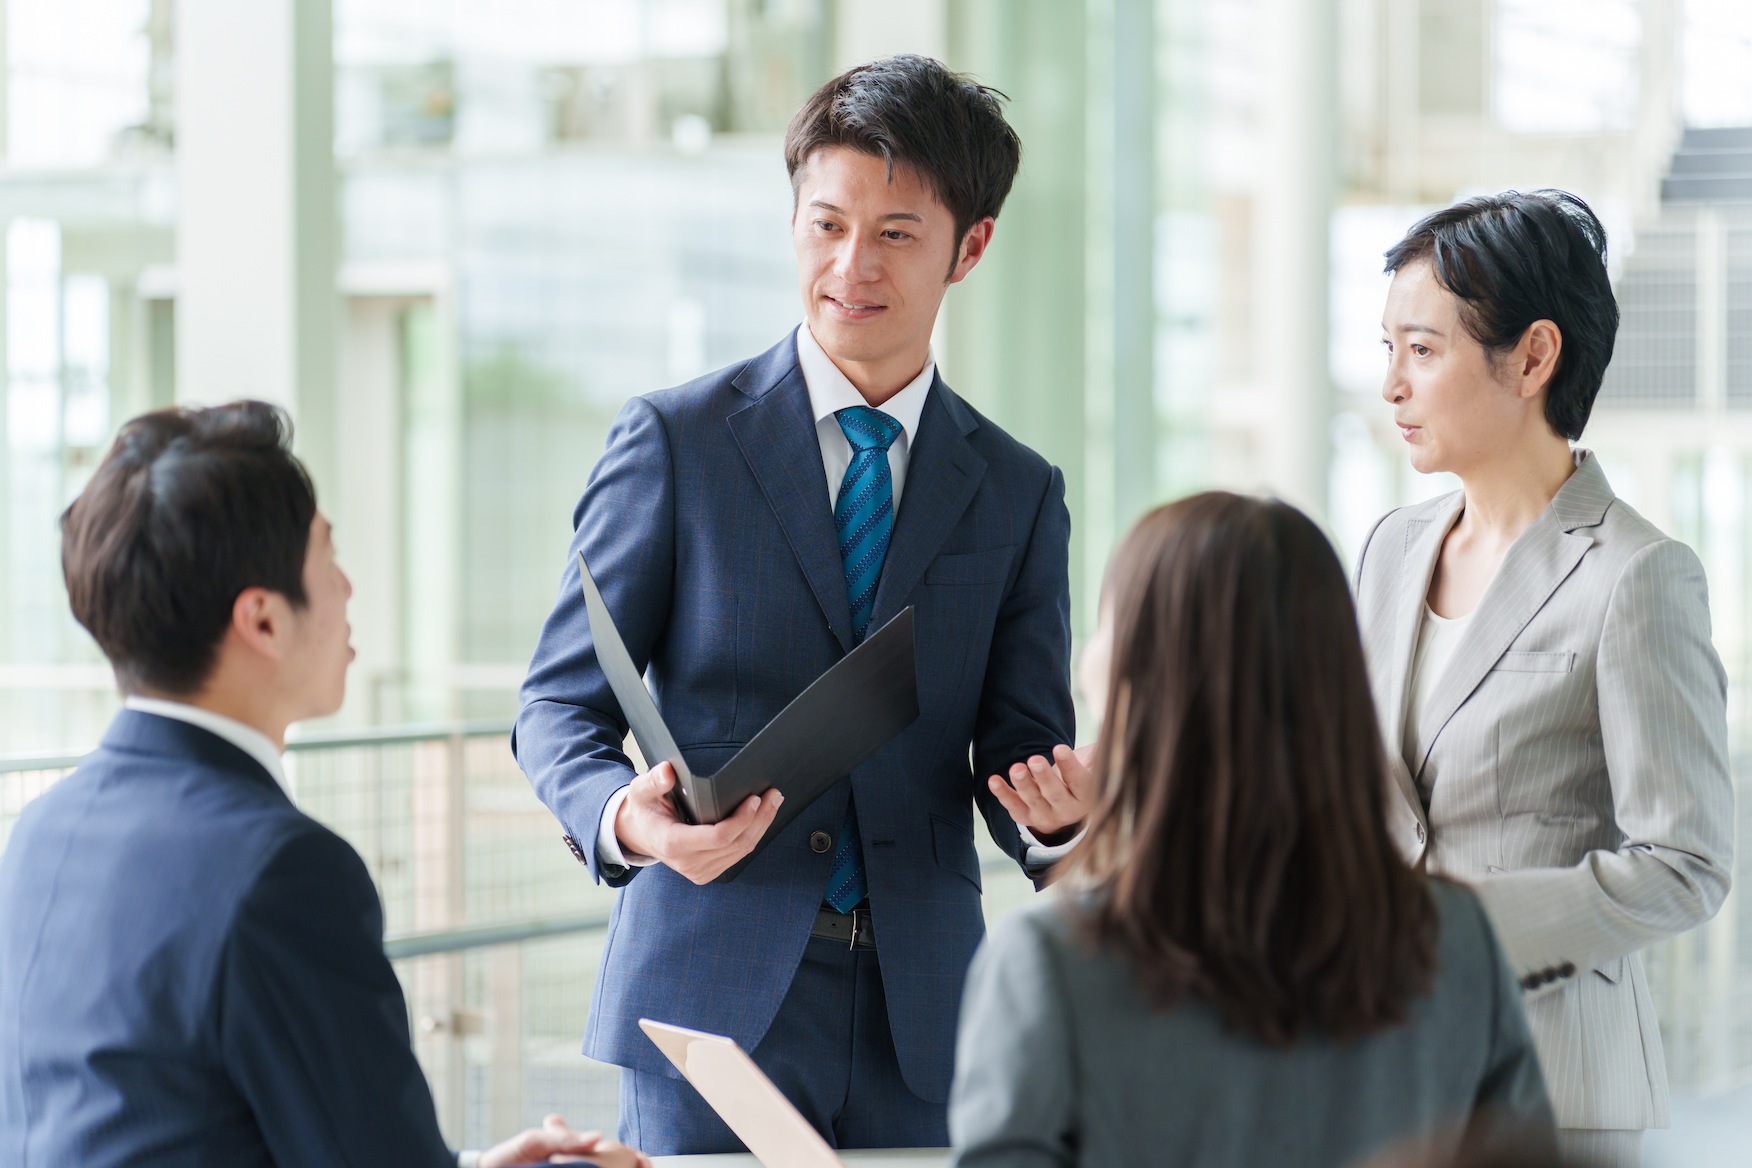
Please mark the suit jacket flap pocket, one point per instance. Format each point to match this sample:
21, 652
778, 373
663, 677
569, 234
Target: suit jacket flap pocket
988, 567
1612, 971
954, 849
1516, 661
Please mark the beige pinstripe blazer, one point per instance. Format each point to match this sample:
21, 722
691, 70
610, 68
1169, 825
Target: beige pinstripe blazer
1575, 755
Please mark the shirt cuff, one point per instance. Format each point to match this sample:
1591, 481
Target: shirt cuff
608, 849
468, 1159
1038, 857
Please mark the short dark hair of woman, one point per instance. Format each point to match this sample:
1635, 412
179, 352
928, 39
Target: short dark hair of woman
189, 508
911, 111
1239, 845
1516, 258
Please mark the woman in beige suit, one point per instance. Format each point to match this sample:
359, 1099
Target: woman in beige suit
1540, 653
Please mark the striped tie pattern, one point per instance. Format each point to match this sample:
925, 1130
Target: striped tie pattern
863, 517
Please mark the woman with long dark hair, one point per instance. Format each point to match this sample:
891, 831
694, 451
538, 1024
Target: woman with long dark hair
1245, 972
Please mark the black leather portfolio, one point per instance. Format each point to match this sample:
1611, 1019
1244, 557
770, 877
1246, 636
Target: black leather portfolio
867, 697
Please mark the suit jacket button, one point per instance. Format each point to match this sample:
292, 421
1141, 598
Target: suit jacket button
819, 842
1420, 833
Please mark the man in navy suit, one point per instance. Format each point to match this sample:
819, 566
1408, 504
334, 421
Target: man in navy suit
191, 970
746, 530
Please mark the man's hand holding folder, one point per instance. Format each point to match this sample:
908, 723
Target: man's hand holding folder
648, 824
706, 827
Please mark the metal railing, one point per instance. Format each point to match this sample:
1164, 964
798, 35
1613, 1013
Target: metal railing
495, 930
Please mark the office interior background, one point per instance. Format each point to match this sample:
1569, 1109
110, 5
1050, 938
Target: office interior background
453, 237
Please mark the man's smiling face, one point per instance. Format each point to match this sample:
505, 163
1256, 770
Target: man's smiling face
875, 255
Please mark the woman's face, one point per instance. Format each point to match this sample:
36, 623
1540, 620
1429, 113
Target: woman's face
1450, 404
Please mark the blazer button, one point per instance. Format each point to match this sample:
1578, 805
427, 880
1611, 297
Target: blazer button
819, 842
577, 852
1420, 833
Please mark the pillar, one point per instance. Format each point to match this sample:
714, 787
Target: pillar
256, 232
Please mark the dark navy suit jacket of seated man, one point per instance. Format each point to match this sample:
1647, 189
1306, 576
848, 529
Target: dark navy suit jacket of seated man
710, 531
192, 973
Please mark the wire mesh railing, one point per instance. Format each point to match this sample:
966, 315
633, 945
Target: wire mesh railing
496, 932
494, 929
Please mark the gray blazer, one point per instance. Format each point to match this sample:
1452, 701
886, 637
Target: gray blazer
1575, 755
1062, 1061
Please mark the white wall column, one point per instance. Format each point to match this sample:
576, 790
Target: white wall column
1298, 185
1135, 148
256, 231
1659, 117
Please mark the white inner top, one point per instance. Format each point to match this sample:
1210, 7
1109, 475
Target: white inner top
1437, 638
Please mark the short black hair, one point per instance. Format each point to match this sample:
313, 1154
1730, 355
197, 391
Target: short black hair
1516, 258
189, 508
912, 111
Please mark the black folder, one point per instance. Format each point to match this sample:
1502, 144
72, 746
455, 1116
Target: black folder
848, 713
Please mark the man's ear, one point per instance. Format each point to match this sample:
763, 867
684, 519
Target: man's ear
973, 248
261, 620
1537, 355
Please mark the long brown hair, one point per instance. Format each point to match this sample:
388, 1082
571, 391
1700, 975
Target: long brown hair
1239, 843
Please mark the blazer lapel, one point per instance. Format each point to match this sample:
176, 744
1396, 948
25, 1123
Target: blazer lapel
943, 472
776, 434
1535, 564
1423, 547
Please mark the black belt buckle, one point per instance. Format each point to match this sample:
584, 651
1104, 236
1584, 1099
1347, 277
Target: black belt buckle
856, 926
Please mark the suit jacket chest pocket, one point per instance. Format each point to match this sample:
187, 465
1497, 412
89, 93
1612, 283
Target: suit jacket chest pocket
1523, 661
961, 594
1546, 727
971, 569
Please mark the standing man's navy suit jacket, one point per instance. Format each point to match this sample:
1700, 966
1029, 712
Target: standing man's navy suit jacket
709, 527
192, 973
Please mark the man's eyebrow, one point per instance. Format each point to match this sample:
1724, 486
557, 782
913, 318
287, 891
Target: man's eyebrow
909, 216
1429, 329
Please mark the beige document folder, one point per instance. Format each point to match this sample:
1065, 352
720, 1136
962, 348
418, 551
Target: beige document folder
744, 1098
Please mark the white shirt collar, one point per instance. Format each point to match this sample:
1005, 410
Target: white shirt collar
246, 738
831, 391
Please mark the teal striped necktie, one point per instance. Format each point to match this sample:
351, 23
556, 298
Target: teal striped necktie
863, 517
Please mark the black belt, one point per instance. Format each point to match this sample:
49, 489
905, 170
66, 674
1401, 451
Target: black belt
853, 929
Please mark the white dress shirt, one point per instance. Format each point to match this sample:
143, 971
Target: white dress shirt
830, 391
246, 738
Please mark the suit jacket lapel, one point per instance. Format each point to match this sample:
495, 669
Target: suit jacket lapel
1536, 563
943, 472
777, 436
1423, 547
